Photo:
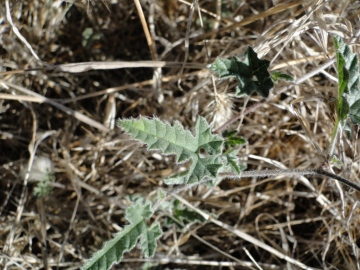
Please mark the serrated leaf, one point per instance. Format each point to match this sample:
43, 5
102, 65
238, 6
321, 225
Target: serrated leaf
232, 164
349, 81
177, 141
199, 169
113, 250
277, 75
148, 239
251, 73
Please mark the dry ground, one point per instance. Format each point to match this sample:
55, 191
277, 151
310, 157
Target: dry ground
100, 173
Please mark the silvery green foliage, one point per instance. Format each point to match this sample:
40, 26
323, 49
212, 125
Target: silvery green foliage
348, 85
113, 250
203, 148
42, 172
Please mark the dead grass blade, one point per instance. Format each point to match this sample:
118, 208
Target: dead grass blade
17, 32
99, 172
79, 116
271, 11
243, 235
87, 66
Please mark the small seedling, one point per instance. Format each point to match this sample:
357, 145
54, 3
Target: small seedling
42, 172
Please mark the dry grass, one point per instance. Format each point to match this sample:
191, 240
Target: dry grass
99, 174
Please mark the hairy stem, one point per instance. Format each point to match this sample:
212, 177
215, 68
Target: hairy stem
262, 173
291, 172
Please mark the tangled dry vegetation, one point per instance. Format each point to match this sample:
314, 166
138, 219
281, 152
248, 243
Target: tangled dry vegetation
69, 119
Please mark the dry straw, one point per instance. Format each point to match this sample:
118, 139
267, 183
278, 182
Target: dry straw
297, 221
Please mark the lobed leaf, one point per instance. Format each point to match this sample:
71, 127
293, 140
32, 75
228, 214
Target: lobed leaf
251, 73
113, 250
231, 163
176, 140
161, 136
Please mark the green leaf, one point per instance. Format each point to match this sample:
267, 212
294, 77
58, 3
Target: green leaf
335, 162
160, 194
231, 140
113, 250
251, 73
188, 216
44, 187
230, 155
277, 75
182, 216
231, 161
347, 130
177, 141
349, 81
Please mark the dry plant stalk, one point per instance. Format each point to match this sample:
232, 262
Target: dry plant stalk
99, 172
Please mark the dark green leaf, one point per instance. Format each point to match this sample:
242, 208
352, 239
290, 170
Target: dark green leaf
251, 73
231, 140
188, 216
183, 216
